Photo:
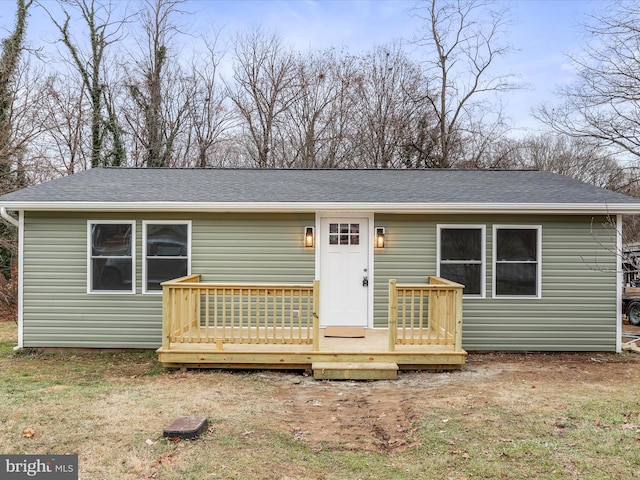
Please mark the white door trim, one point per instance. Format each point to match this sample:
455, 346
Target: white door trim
371, 229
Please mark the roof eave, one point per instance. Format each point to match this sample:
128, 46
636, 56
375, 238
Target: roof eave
436, 208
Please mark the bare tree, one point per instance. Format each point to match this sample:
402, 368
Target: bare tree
11, 142
313, 131
210, 116
389, 113
464, 36
68, 123
572, 157
158, 113
266, 86
103, 32
12, 47
604, 102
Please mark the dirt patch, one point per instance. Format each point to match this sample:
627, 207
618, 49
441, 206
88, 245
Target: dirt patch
370, 417
382, 416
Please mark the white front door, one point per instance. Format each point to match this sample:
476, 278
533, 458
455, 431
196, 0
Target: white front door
344, 271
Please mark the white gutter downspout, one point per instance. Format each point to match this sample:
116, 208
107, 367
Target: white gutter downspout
619, 281
18, 224
9, 218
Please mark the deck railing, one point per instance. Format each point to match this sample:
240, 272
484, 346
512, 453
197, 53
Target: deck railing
429, 314
194, 312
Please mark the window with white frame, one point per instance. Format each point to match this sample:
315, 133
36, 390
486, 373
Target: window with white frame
111, 251
461, 256
166, 250
516, 254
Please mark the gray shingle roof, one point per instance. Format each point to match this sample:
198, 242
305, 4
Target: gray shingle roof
212, 186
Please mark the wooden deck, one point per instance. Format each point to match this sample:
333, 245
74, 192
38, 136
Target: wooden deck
277, 327
372, 348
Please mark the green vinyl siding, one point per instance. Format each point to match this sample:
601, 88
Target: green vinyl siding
58, 311
577, 311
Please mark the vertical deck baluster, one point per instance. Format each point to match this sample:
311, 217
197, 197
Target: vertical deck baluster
451, 316
304, 301
224, 314
189, 315
185, 318
267, 327
297, 302
316, 314
413, 318
255, 311
233, 315
206, 316
291, 303
309, 317
247, 299
275, 315
184, 310
457, 341
195, 295
256, 299
250, 316
393, 315
403, 293
216, 333
437, 314
441, 317
241, 315
179, 313
430, 315
421, 316
286, 338
166, 317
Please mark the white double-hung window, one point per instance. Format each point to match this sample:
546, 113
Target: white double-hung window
461, 256
166, 249
111, 256
517, 261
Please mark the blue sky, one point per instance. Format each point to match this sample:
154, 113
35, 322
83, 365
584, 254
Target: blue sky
542, 32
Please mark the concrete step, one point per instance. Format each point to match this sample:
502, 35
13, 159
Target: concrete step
186, 427
354, 371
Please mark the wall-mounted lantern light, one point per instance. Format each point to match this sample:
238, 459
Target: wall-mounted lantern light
379, 237
308, 236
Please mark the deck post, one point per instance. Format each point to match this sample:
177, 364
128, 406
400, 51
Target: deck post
458, 320
316, 315
166, 317
393, 315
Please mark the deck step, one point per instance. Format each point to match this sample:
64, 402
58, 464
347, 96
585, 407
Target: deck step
354, 371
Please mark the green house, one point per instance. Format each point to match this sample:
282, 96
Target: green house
533, 255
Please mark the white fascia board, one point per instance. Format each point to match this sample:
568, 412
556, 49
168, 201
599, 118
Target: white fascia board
435, 208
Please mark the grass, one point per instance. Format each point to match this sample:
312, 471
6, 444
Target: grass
500, 419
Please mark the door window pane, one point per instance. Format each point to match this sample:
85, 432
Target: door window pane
344, 234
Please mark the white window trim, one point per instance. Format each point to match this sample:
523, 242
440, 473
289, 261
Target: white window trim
144, 249
483, 269
133, 258
538, 228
